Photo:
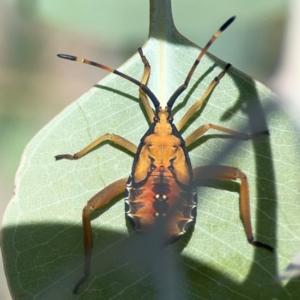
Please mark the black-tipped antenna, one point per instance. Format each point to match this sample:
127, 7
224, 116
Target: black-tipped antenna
202, 53
129, 78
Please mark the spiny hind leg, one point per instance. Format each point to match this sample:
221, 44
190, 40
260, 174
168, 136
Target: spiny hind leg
96, 202
231, 173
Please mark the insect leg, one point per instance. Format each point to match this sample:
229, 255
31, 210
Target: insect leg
144, 80
236, 134
108, 136
231, 173
96, 202
199, 103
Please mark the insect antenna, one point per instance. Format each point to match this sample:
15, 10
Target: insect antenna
202, 53
143, 87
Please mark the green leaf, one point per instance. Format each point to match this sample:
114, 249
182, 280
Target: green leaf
42, 236
293, 269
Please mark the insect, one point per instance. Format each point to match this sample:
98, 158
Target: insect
160, 192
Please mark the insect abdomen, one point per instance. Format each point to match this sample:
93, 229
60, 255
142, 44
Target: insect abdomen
161, 202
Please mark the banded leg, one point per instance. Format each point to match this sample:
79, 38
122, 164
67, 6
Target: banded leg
118, 140
144, 80
231, 173
236, 134
96, 202
197, 105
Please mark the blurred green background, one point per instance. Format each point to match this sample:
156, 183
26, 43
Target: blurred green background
35, 85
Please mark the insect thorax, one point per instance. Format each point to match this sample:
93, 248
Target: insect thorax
160, 193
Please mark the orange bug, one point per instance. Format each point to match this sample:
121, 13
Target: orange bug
160, 193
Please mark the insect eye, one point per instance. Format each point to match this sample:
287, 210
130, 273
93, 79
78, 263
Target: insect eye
155, 119
170, 119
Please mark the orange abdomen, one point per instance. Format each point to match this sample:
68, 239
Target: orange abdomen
161, 204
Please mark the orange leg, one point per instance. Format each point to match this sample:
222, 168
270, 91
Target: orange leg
197, 105
144, 80
113, 137
231, 173
235, 134
96, 202
99, 200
